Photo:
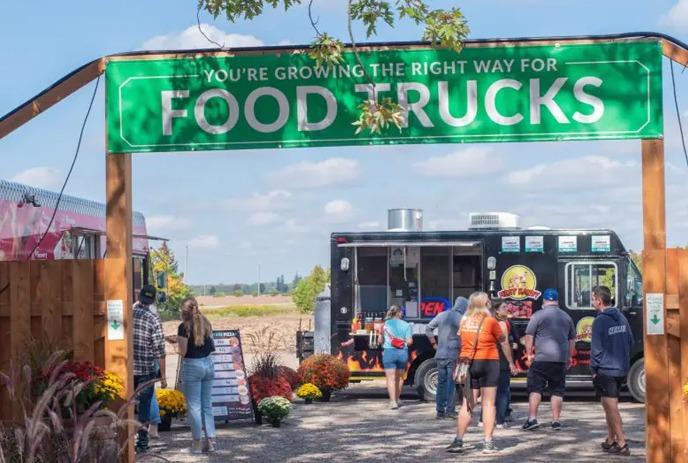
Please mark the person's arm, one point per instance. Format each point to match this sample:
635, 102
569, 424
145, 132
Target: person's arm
409, 335
429, 331
530, 339
182, 341
596, 346
158, 338
572, 342
506, 347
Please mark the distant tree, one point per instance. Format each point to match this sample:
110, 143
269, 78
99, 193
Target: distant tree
307, 289
295, 281
637, 257
212, 290
238, 292
164, 262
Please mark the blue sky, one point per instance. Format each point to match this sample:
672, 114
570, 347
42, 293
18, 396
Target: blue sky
236, 210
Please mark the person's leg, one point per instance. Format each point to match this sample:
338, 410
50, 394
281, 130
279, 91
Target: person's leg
534, 399
611, 408
488, 408
502, 401
154, 417
441, 403
192, 390
206, 399
557, 403
145, 397
450, 388
611, 437
390, 375
557, 382
465, 416
399, 383
536, 383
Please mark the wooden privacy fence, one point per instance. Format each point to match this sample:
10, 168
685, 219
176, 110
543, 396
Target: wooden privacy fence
59, 301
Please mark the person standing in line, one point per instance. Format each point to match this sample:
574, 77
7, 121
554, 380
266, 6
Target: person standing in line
610, 359
195, 339
149, 348
481, 338
551, 335
155, 418
503, 400
397, 338
446, 348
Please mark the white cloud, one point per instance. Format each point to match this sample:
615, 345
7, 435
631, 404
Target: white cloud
338, 211
588, 172
161, 224
285, 42
39, 177
191, 38
205, 242
677, 17
258, 219
272, 200
309, 174
469, 162
293, 226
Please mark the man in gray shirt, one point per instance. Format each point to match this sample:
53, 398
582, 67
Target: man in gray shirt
552, 332
447, 351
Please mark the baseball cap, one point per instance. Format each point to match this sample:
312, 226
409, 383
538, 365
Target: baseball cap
550, 294
147, 294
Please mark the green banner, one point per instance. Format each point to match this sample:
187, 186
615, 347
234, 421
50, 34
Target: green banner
483, 94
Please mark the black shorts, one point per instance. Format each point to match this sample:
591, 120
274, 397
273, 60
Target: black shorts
608, 386
484, 373
550, 376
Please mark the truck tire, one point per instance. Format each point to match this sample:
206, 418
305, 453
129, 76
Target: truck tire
636, 380
426, 380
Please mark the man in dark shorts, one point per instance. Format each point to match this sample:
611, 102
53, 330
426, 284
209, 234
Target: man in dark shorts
551, 334
610, 358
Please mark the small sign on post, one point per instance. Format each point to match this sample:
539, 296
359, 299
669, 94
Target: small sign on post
115, 320
654, 313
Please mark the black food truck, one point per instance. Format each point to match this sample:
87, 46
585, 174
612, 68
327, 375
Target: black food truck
424, 271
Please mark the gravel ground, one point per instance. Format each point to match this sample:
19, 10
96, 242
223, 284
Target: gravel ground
357, 426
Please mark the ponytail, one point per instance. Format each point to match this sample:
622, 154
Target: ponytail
195, 322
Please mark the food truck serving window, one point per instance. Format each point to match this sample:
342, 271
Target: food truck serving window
582, 277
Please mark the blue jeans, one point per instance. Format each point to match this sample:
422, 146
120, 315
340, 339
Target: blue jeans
503, 395
197, 380
445, 386
145, 398
154, 416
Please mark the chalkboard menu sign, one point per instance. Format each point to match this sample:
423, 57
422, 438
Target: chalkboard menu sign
230, 395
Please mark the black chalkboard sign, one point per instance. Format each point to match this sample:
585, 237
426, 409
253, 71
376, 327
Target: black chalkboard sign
230, 395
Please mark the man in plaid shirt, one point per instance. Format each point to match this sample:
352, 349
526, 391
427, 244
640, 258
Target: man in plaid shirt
149, 347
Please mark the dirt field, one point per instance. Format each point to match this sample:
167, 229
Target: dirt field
224, 301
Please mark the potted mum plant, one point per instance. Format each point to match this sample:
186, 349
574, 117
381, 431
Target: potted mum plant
325, 371
309, 392
172, 404
274, 409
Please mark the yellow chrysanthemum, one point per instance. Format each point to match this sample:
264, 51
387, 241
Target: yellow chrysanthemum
309, 391
171, 402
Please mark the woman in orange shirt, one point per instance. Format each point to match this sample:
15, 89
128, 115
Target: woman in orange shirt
481, 337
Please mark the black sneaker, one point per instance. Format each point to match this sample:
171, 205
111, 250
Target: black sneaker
529, 425
140, 450
451, 415
616, 450
489, 447
556, 426
440, 416
606, 445
456, 446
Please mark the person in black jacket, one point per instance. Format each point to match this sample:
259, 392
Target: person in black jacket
610, 356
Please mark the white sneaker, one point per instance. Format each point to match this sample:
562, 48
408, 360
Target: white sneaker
393, 405
480, 424
502, 426
210, 445
196, 446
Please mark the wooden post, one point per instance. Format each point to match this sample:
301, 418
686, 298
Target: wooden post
118, 271
683, 331
673, 339
658, 426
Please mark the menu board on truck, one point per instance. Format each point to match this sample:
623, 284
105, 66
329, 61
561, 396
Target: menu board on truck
230, 394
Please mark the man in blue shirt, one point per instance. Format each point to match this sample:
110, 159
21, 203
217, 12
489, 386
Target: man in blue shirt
610, 358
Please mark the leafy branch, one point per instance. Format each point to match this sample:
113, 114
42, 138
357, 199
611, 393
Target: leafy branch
443, 28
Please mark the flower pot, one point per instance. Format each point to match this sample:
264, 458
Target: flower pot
308, 401
165, 423
326, 394
276, 423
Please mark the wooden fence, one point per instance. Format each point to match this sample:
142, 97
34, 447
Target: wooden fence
59, 301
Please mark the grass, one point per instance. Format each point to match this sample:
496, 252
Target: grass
249, 311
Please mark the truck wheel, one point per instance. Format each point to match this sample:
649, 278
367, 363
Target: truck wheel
636, 380
426, 380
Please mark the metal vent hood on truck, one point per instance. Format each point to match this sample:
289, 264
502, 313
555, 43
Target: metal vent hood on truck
493, 221
405, 220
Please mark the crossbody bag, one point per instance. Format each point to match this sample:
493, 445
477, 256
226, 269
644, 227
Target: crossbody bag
462, 371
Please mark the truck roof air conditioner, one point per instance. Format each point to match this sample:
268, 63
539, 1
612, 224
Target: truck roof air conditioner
405, 220
493, 221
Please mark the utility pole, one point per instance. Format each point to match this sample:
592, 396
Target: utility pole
258, 290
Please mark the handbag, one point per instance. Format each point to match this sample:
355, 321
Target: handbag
462, 371
397, 343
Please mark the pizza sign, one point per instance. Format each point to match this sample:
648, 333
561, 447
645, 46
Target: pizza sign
519, 282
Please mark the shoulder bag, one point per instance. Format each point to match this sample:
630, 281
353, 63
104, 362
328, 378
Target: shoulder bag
397, 343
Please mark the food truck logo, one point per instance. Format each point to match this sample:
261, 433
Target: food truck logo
584, 329
519, 282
